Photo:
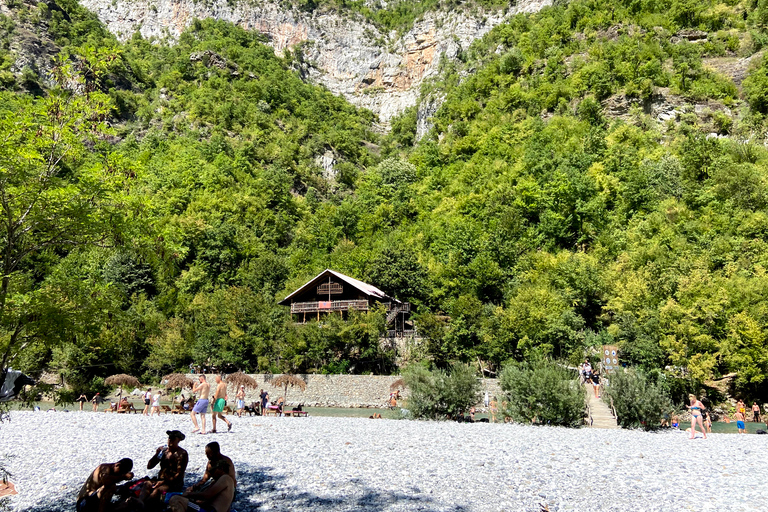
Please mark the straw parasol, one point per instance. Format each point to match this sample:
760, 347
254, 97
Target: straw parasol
178, 381
238, 379
399, 383
288, 380
122, 379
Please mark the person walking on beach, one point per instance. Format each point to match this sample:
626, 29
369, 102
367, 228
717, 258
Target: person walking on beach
240, 397
173, 460
97, 400
755, 411
219, 401
147, 400
739, 417
264, 396
96, 494
214, 455
696, 408
156, 404
201, 406
82, 399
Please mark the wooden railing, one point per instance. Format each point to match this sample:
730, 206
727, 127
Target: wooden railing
393, 308
333, 305
407, 333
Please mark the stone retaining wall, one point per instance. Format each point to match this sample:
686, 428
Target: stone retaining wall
332, 390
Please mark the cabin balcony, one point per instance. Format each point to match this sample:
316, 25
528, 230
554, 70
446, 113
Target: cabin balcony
345, 305
329, 305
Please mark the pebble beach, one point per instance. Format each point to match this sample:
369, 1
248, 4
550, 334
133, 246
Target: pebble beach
334, 464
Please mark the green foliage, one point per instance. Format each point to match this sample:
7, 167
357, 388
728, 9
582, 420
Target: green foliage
527, 223
542, 392
440, 394
640, 402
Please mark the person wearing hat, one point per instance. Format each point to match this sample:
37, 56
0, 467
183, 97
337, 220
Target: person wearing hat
173, 460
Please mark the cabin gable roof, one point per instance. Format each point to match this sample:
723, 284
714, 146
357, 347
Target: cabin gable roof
371, 291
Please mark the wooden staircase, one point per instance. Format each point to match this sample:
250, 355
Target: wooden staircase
600, 414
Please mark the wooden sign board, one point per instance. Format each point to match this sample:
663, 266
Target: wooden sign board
610, 358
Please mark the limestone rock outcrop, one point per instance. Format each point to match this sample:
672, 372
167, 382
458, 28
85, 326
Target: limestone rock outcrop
343, 52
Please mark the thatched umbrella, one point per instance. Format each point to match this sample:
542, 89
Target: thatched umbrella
121, 379
399, 383
238, 379
178, 381
288, 380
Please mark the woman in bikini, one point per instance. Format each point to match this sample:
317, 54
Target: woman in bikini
696, 409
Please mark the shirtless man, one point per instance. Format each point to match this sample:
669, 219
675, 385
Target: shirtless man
173, 461
213, 452
216, 498
201, 406
96, 494
219, 401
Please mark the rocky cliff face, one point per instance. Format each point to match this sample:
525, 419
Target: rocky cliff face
345, 53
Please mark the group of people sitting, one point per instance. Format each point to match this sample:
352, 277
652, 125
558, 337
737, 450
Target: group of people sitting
213, 493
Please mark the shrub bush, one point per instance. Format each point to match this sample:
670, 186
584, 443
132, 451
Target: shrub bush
639, 400
542, 392
440, 395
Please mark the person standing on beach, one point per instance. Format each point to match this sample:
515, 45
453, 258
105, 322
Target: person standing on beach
264, 396
147, 400
96, 494
755, 411
202, 403
156, 404
240, 397
173, 460
219, 402
739, 417
696, 408
97, 400
741, 407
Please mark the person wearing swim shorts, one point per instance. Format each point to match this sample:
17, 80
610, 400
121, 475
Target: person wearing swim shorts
219, 401
755, 411
240, 397
173, 460
739, 417
201, 407
696, 408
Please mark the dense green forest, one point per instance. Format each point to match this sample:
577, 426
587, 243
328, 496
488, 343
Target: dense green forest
529, 222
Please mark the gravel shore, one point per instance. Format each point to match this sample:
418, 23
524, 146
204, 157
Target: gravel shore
333, 464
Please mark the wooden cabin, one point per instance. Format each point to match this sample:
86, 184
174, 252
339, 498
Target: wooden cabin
333, 292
